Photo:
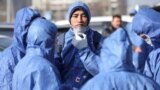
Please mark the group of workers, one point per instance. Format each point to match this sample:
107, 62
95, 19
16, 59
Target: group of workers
82, 59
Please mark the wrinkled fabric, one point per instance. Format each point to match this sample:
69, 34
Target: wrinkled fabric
16, 51
120, 81
139, 59
36, 70
73, 60
117, 71
150, 25
73, 64
116, 52
146, 21
152, 66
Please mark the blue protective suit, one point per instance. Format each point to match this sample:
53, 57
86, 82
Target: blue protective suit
36, 71
118, 72
73, 64
139, 59
146, 22
16, 51
149, 24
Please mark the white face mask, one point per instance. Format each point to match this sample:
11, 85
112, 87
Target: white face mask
80, 29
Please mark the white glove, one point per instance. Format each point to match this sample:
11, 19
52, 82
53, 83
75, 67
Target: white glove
80, 41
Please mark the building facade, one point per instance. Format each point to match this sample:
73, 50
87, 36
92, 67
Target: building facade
56, 9
97, 7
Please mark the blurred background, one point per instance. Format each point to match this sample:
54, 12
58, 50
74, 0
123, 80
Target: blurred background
54, 10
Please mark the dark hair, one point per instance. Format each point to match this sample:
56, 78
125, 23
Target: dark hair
116, 16
85, 12
157, 8
80, 8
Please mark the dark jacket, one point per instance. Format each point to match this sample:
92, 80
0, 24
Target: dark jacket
108, 30
73, 64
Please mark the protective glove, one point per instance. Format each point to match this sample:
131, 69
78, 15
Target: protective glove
80, 41
147, 39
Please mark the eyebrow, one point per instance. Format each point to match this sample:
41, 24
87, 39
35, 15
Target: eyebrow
78, 13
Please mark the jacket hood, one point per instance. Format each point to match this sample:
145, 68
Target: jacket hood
146, 21
116, 52
24, 17
138, 58
78, 5
41, 38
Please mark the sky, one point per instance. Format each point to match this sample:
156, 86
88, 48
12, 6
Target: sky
133, 3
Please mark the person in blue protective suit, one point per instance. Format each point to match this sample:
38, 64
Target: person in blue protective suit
149, 29
143, 50
79, 42
36, 70
117, 71
16, 51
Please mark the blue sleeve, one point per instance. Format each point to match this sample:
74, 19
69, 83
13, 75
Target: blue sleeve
90, 56
90, 61
152, 66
